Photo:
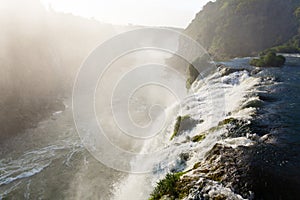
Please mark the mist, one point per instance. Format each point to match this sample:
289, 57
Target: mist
40, 56
92, 110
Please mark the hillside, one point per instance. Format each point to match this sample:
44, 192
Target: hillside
237, 28
40, 55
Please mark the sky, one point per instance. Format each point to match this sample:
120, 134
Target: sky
175, 13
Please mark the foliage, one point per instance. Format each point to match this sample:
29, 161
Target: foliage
176, 127
198, 138
185, 117
269, 60
291, 46
233, 28
297, 13
167, 186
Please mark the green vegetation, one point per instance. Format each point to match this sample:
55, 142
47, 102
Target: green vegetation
236, 28
198, 138
167, 186
176, 127
286, 48
293, 44
269, 60
197, 165
185, 117
227, 121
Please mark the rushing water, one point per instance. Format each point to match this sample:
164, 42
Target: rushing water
49, 161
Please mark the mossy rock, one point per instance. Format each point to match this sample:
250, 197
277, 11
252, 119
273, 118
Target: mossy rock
176, 127
252, 104
197, 165
225, 71
216, 176
183, 123
269, 60
198, 138
227, 121
219, 197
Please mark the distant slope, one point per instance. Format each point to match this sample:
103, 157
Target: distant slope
236, 28
40, 54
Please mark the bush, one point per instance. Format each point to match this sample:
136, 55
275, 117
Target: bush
166, 186
269, 60
238, 28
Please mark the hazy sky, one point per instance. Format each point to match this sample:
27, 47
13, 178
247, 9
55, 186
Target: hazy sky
176, 13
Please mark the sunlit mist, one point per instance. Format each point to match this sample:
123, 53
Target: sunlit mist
139, 12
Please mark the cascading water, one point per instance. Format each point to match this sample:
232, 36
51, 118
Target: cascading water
242, 152
233, 146
215, 98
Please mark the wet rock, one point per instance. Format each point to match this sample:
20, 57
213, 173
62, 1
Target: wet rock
225, 71
184, 156
180, 163
221, 170
183, 123
187, 123
255, 71
198, 138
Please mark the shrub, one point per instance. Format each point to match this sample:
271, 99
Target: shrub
268, 60
166, 186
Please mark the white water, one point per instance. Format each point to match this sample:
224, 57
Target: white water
52, 144
214, 99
